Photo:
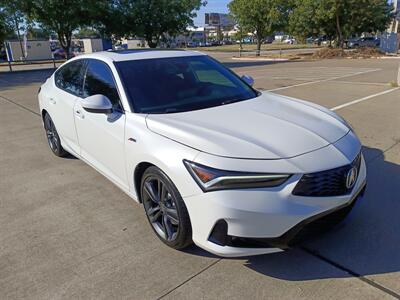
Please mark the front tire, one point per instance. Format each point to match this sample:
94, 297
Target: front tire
52, 137
165, 209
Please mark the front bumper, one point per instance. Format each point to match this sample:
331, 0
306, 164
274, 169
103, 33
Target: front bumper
260, 221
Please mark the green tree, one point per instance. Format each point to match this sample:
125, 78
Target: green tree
239, 36
220, 34
6, 27
263, 17
303, 22
15, 16
37, 33
367, 16
60, 16
152, 19
107, 19
87, 32
337, 18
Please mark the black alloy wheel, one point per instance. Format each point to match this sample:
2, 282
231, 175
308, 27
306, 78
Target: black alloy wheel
52, 137
165, 209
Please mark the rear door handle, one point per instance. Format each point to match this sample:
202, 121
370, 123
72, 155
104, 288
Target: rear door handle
52, 101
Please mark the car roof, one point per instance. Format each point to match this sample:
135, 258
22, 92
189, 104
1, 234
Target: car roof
138, 54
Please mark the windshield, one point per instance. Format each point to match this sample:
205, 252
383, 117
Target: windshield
169, 85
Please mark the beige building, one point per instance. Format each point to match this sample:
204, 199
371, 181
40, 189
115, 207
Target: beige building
92, 45
32, 50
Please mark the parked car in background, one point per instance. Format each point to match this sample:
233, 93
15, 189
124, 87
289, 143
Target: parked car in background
364, 42
248, 40
59, 53
192, 44
310, 40
290, 41
322, 40
121, 47
269, 40
204, 44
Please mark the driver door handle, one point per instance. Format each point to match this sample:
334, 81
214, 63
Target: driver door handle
79, 114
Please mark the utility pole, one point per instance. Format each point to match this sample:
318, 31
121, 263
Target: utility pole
398, 77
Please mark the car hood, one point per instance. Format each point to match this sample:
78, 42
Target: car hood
267, 127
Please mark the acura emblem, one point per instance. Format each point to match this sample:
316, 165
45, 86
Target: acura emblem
351, 177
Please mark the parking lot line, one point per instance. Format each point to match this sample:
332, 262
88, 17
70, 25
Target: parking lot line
307, 72
364, 99
322, 80
352, 273
188, 279
361, 83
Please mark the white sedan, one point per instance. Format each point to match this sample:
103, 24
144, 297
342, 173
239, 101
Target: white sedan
213, 161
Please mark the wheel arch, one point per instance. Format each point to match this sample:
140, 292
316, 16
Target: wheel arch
137, 176
43, 113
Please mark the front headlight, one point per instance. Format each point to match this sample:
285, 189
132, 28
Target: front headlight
210, 179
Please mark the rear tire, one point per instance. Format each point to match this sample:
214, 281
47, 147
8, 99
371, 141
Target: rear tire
52, 137
165, 209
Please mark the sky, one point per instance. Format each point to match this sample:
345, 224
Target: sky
217, 6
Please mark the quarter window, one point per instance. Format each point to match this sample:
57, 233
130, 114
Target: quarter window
99, 80
69, 77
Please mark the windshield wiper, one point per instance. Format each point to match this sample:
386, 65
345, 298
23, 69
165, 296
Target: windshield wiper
231, 101
170, 110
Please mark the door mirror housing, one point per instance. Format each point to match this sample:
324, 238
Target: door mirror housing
97, 104
248, 79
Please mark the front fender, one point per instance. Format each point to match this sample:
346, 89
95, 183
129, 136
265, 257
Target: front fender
143, 145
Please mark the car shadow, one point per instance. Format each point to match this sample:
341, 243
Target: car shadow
367, 242
70, 156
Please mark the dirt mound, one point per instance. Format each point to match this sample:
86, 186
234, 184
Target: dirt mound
364, 52
329, 53
367, 52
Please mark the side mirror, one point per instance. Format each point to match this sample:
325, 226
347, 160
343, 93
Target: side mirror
248, 79
98, 104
